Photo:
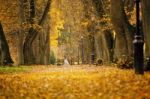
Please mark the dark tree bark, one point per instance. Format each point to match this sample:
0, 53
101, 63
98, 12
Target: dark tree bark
20, 34
29, 57
5, 58
28, 51
103, 39
99, 7
129, 4
146, 24
124, 31
104, 46
109, 44
44, 43
146, 28
86, 50
88, 43
32, 11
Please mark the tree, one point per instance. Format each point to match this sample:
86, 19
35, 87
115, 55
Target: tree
146, 26
123, 30
52, 58
29, 57
104, 37
20, 35
5, 58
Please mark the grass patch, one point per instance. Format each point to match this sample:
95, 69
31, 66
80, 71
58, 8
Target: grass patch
8, 69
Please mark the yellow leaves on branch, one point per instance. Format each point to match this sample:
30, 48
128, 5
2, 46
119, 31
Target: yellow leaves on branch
26, 26
56, 23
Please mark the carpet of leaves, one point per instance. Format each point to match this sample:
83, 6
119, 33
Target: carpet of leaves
75, 82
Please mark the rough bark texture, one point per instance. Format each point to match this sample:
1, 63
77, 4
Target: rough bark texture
146, 27
129, 4
124, 31
5, 58
99, 7
89, 40
103, 38
146, 24
20, 34
27, 49
108, 38
29, 55
104, 46
9, 11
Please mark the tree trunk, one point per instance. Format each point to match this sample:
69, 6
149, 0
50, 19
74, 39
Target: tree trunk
146, 24
124, 31
104, 38
146, 28
104, 46
28, 51
29, 57
5, 58
21, 33
109, 44
44, 46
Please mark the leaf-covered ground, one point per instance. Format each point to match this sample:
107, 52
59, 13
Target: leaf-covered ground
77, 82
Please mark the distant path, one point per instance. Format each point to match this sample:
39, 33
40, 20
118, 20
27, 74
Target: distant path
71, 68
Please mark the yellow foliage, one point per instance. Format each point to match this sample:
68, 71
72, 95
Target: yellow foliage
56, 23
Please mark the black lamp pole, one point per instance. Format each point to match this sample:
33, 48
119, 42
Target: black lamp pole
93, 50
138, 44
82, 53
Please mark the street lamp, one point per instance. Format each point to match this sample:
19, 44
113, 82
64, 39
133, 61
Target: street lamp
82, 53
79, 54
93, 50
138, 44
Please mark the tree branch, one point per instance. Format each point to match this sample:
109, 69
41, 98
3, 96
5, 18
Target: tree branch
46, 10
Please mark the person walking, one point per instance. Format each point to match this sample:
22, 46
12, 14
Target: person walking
66, 63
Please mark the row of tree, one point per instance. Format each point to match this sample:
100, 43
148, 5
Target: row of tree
32, 34
104, 28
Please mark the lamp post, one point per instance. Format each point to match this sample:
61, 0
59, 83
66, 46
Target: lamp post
138, 44
79, 54
93, 41
93, 50
82, 53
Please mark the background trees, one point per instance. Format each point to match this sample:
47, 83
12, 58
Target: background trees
146, 29
29, 29
104, 28
146, 24
123, 29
